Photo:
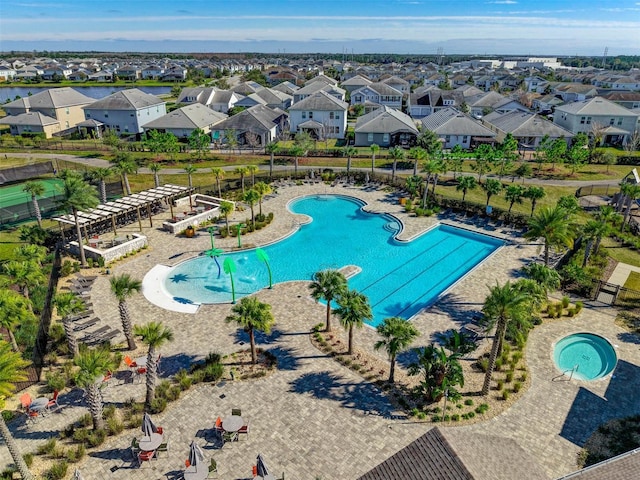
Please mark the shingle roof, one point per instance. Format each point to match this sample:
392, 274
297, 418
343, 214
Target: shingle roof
450, 121
29, 118
595, 106
52, 98
622, 467
385, 120
525, 124
453, 454
320, 101
130, 99
256, 118
357, 80
382, 89
190, 116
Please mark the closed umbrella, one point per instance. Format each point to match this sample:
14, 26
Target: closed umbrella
263, 471
196, 455
312, 174
77, 476
366, 178
148, 427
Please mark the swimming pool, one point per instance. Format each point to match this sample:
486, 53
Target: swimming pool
399, 278
590, 356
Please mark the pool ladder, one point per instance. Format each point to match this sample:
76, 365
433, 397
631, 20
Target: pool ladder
572, 370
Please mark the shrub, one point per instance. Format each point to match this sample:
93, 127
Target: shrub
109, 412
509, 376
498, 365
135, 421
213, 357
28, 459
198, 376
58, 471
213, 372
8, 415
74, 455
86, 420
96, 437
81, 435
48, 448
422, 415
565, 301
114, 426
500, 385
505, 394
158, 405
579, 306
517, 386
468, 402
571, 312
482, 408
523, 377
455, 417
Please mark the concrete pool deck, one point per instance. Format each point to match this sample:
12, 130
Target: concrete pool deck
314, 417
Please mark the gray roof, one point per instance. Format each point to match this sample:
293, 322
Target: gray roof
130, 99
450, 121
256, 119
52, 98
525, 124
385, 120
273, 97
286, 87
453, 454
314, 87
201, 94
595, 106
488, 99
381, 89
29, 118
247, 88
357, 80
191, 116
322, 78
320, 101
622, 467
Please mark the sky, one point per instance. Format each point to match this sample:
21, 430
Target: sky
516, 27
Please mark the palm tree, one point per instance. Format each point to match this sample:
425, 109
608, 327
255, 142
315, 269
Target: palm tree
251, 314
252, 170
504, 304
593, 231
190, 170
271, 148
251, 198
155, 168
466, 183
547, 278
124, 165
328, 285
35, 189
225, 209
374, 150
418, 154
24, 274
296, 151
219, 174
78, 195
534, 194
353, 309
552, 225
93, 364
100, 175
153, 335
441, 372
396, 153
31, 252
514, 194
608, 214
397, 334
242, 171
14, 311
68, 303
432, 168
491, 187
123, 287
631, 193
263, 189
12, 370
349, 152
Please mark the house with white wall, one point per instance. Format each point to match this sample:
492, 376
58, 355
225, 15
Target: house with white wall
322, 114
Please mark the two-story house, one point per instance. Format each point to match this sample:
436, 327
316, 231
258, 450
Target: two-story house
321, 114
377, 94
125, 112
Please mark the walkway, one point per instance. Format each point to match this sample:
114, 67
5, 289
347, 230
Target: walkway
621, 273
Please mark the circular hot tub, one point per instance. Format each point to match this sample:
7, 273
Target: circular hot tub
590, 356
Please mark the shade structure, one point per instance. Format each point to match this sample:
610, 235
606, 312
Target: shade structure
263, 471
196, 455
148, 427
77, 475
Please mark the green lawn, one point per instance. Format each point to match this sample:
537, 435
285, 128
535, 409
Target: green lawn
633, 282
620, 253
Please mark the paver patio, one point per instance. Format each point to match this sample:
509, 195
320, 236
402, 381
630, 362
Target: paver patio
313, 417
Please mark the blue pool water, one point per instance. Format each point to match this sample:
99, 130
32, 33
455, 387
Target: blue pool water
593, 356
399, 278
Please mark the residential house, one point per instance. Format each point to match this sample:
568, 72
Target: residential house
322, 78
101, 76
275, 98
386, 127
211, 97
183, 121
174, 74
7, 73
254, 126
247, 88
628, 100
354, 83
546, 103
426, 100
575, 92
64, 104
321, 114
251, 100
527, 128
616, 123
455, 128
398, 83
152, 72
315, 87
125, 112
484, 103
508, 104
286, 87
128, 72
31, 123
377, 93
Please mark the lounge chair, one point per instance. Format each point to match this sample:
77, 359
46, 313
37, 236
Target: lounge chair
86, 324
96, 334
244, 430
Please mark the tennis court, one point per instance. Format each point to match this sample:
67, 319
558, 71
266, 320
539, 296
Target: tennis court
16, 205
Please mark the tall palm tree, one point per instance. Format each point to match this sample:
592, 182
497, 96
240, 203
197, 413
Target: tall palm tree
78, 195
374, 150
24, 274
219, 174
514, 194
14, 311
349, 152
491, 187
553, 227
35, 189
12, 370
396, 153
607, 214
263, 189
153, 335
503, 304
271, 148
124, 165
397, 334
100, 175
252, 170
93, 364
123, 287
67, 304
534, 194
251, 197
441, 372
251, 314
466, 183
418, 154
296, 151
631, 193
432, 168
190, 170
353, 309
155, 168
242, 171
547, 278
593, 231
226, 208
328, 285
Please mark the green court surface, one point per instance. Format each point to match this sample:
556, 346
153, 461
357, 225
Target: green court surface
14, 194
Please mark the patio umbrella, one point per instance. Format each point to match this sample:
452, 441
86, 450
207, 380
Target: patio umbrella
312, 174
196, 456
366, 178
263, 471
76, 475
148, 426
